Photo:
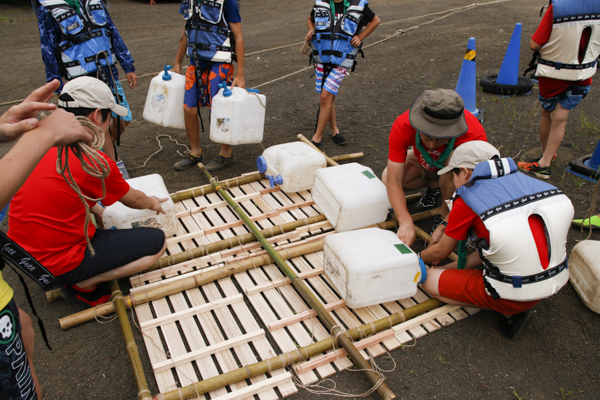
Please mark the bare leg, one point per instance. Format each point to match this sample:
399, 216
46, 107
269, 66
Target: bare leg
192, 127
109, 147
225, 150
545, 128
28, 336
332, 122
446, 184
326, 101
431, 286
558, 123
124, 271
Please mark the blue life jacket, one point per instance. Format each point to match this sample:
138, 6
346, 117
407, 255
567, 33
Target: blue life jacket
209, 35
83, 37
331, 40
504, 199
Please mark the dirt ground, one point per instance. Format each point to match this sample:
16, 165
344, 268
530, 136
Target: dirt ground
557, 356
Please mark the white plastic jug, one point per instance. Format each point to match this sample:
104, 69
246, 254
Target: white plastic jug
584, 272
237, 116
371, 266
164, 103
350, 196
291, 165
120, 216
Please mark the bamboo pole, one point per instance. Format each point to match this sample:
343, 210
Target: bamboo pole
346, 157
205, 189
330, 161
203, 250
169, 288
293, 357
334, 329
132, 349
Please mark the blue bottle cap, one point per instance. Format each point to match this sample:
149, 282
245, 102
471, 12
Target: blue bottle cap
261, 164
226, 90
166, 76
252, 90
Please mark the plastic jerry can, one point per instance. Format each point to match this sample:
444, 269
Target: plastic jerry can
120, 216
350, 196
164, 103
291, 165
584, 272
371, 266
237, 116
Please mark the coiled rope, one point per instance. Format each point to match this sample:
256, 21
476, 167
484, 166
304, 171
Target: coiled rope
92, 163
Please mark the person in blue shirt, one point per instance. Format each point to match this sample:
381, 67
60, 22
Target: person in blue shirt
79, 38
212, 38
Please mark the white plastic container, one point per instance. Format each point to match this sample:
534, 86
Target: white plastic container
584, 272
350, 196
237, 116
371, 266
291, 165
120, 216
164, 103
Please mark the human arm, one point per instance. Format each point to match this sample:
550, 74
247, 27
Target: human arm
439, 251
137, 199
357, 39
395, 174
181, 50
49, 36
543, 31
236, 29
59, 128
311, 28
121, 52
439, 232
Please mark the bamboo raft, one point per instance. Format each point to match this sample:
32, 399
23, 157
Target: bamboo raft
209, 330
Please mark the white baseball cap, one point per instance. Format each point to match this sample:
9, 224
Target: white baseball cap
88, 92
470, 154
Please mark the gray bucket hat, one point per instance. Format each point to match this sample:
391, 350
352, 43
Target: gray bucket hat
439, 113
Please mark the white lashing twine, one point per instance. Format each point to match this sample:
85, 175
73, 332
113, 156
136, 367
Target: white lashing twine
92, 163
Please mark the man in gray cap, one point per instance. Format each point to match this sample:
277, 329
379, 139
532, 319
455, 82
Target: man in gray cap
421, 142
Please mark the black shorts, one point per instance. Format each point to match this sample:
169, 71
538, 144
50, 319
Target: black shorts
15, 375
115, 248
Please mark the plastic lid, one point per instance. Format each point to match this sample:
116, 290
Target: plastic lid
423, 270
275, 180
226, 90
166, 76
261, 164
252, 90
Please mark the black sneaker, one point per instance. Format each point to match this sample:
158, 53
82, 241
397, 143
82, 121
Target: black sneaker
220, 162
437, 220
189, 161
428, 200
510, 328
317, 145
88, 298
339, 140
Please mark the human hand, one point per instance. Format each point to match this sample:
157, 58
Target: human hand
22, 117
177, 67
156, 204
355, 42
132, 79
239, 81
309, 35
64, 129
437, 234
406, 233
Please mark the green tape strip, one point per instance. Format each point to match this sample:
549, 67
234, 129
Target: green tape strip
402, 248
368, 174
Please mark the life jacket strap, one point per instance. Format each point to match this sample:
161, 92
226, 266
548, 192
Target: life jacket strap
204, 46
559, 65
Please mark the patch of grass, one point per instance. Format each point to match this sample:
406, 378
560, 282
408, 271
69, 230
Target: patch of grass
517, 395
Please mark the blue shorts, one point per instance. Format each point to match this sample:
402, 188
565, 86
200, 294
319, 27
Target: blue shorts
15, 374
567, 99
333, 80
122, 101
209, 87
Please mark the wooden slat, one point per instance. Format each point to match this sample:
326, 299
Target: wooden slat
258, 387
417, 321
282, 281
303, 316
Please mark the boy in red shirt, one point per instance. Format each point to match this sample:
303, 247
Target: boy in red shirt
565, 69
518, 209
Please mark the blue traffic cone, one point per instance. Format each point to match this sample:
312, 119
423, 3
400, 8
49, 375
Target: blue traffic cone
509, 71
467, 79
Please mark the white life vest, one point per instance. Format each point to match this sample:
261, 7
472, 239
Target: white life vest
559, 57
505, 199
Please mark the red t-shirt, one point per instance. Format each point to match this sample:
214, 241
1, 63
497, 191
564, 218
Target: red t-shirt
47, 216
402, 136
550, 87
